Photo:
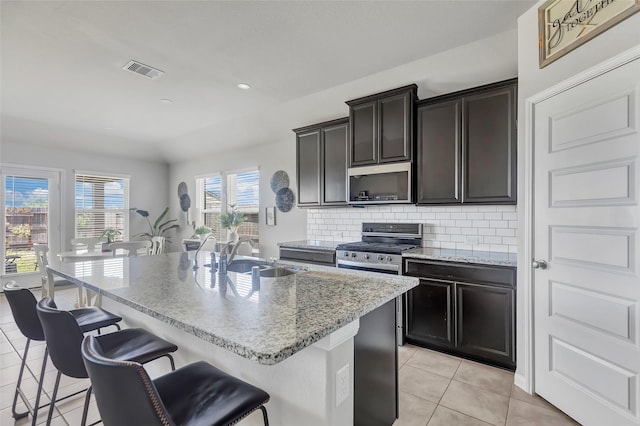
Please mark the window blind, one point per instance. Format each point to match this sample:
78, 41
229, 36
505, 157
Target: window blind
226, 189
102, 202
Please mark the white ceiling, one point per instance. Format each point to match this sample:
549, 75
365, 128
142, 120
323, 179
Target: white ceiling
62, 80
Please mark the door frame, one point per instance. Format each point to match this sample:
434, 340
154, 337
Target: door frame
524, 377
57, 231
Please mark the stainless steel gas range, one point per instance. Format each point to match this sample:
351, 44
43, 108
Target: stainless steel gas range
380, 250
381, 247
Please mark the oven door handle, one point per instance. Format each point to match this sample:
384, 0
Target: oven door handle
382, 266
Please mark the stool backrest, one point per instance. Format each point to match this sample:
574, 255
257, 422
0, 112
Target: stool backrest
90, 243
157, 245
42, 259
23, 307
123, 390
131, 247
63, 336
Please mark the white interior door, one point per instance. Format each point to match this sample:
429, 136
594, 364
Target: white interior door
586, 218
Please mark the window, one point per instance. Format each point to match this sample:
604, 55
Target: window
216, 193
102, 202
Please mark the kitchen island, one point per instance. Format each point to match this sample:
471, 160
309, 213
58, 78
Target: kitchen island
290, 337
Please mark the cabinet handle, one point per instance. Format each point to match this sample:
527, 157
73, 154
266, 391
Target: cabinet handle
539, 264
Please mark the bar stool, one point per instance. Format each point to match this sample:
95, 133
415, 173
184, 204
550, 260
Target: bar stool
198, 393
64, 339
23, 307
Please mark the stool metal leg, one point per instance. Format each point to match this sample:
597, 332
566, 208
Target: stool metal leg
264, 415
39, 393
85, 411
53, 397
15, 397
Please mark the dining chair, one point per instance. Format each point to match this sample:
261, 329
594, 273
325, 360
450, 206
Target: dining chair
89, 243
23, 307
157, 245
131, 247
42, 260
64, 340
196, 394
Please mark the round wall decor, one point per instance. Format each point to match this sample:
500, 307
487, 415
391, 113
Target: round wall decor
279, 180
284, 200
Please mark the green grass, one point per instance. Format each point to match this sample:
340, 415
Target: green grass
26, 262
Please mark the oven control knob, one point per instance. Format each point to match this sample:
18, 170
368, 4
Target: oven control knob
366, 256
346, 254
353, 254
380, 257
388, 258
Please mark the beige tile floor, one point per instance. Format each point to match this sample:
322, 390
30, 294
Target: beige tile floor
438, 389
435, 389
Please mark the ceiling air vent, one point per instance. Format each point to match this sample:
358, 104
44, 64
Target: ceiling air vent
142, 69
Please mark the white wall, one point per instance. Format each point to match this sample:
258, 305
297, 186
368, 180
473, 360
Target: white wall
269, 158
148, 182
485, 228
532, 80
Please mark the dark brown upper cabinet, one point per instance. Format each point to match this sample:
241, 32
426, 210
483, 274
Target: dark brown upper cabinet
382, 127
321, 159
466, 146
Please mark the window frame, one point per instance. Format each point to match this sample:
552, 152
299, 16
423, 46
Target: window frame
224, 199
127, 202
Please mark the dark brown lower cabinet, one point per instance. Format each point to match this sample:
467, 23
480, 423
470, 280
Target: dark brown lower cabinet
430, 312
484, 322
471, 312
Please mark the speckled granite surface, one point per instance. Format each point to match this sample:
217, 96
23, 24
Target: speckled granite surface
285, 316
464, 256
311, 244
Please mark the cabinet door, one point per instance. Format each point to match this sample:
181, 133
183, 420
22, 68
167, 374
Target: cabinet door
429, 313
364, 134
489, 146
395, 115
308, 168
485, 322
334, 150
439, 146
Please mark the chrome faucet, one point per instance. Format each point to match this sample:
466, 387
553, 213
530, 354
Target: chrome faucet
237, 245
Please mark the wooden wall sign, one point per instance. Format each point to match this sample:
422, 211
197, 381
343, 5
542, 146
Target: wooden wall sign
566, 24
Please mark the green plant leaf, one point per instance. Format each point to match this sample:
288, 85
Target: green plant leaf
162, 215
142, 213
171, 227
166, 223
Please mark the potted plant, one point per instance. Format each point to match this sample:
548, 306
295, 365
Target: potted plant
158, 228
202, 232
231, 220
110, 233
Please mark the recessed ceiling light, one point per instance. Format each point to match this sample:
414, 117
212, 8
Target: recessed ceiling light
166, 101
244, 86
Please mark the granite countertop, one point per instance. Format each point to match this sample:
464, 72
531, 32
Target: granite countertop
286, 315
311, 244
463, 256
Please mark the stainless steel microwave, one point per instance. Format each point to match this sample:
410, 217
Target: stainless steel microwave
380, 184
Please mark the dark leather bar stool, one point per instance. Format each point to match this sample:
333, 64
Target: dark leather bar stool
197, 394
64, 339
23, 307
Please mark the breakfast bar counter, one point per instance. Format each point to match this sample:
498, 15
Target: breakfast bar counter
290, 337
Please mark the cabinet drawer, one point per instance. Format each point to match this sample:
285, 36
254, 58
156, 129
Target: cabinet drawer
450, 271
322, 257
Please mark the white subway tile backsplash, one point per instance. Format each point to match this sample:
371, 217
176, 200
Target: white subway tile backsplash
480, 223
506, 232
498, 223
493, 216
491, 228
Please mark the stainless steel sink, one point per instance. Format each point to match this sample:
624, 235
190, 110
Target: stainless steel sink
276, 272
245, 265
